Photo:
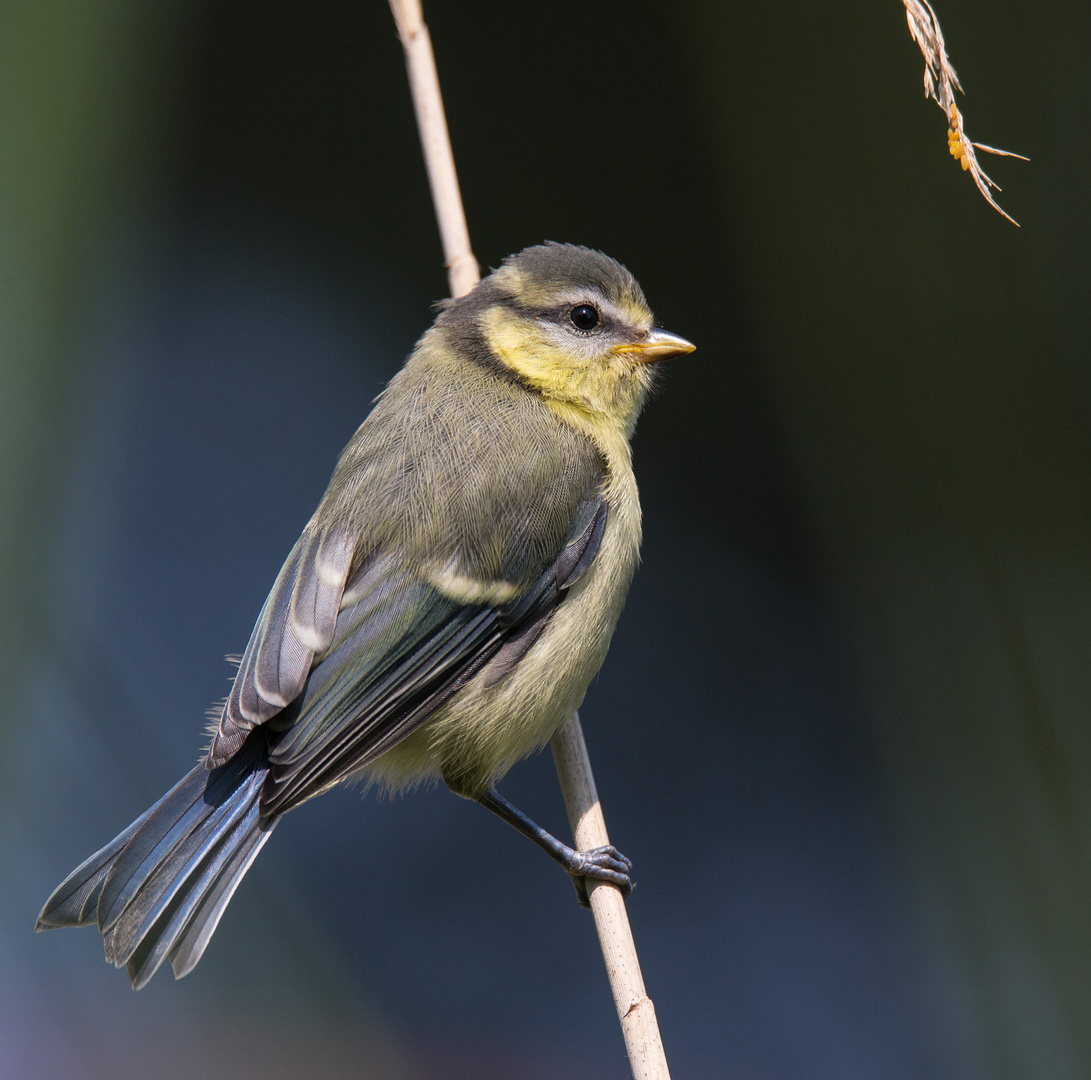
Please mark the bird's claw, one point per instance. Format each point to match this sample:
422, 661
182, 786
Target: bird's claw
600, 864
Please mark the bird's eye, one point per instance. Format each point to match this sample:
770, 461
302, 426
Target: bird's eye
584, 317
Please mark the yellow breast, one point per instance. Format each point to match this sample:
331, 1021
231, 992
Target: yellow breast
481, 733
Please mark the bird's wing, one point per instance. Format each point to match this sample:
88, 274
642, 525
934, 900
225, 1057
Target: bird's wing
298, 620
346, 667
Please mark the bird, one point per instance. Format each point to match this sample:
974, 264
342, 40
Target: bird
443, 611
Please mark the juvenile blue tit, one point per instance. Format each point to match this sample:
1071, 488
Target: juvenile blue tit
442, 613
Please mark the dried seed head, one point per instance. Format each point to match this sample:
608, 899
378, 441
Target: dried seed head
940, 84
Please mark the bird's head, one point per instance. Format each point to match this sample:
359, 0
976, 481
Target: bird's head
569, 323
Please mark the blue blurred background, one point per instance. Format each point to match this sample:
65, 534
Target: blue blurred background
843, 730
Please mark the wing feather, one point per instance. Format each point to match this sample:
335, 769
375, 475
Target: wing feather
362, 638
349, 716
299, 619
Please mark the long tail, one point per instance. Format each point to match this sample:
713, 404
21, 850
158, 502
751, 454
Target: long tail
158, 889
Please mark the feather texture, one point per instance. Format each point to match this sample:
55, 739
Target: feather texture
444, 609
159, 888
398, 655
298, 619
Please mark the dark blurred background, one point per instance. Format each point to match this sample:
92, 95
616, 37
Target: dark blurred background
843, 730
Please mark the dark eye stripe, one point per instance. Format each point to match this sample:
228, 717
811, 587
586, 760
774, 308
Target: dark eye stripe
561, 315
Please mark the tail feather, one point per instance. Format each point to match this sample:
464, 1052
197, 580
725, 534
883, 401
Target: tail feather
205, 843
161, 931
181, 813
160, 887
75, 901
190, 943
171, 819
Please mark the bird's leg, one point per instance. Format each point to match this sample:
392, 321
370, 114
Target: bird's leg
602, 864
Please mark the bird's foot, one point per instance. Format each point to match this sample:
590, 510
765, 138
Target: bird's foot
600, 864
605, 864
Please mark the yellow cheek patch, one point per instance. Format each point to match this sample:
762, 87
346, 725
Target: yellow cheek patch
517, 344
600, 399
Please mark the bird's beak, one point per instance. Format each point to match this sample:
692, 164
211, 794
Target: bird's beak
656, 345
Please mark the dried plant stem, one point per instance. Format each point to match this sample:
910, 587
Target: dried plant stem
462, 269
634, 1007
